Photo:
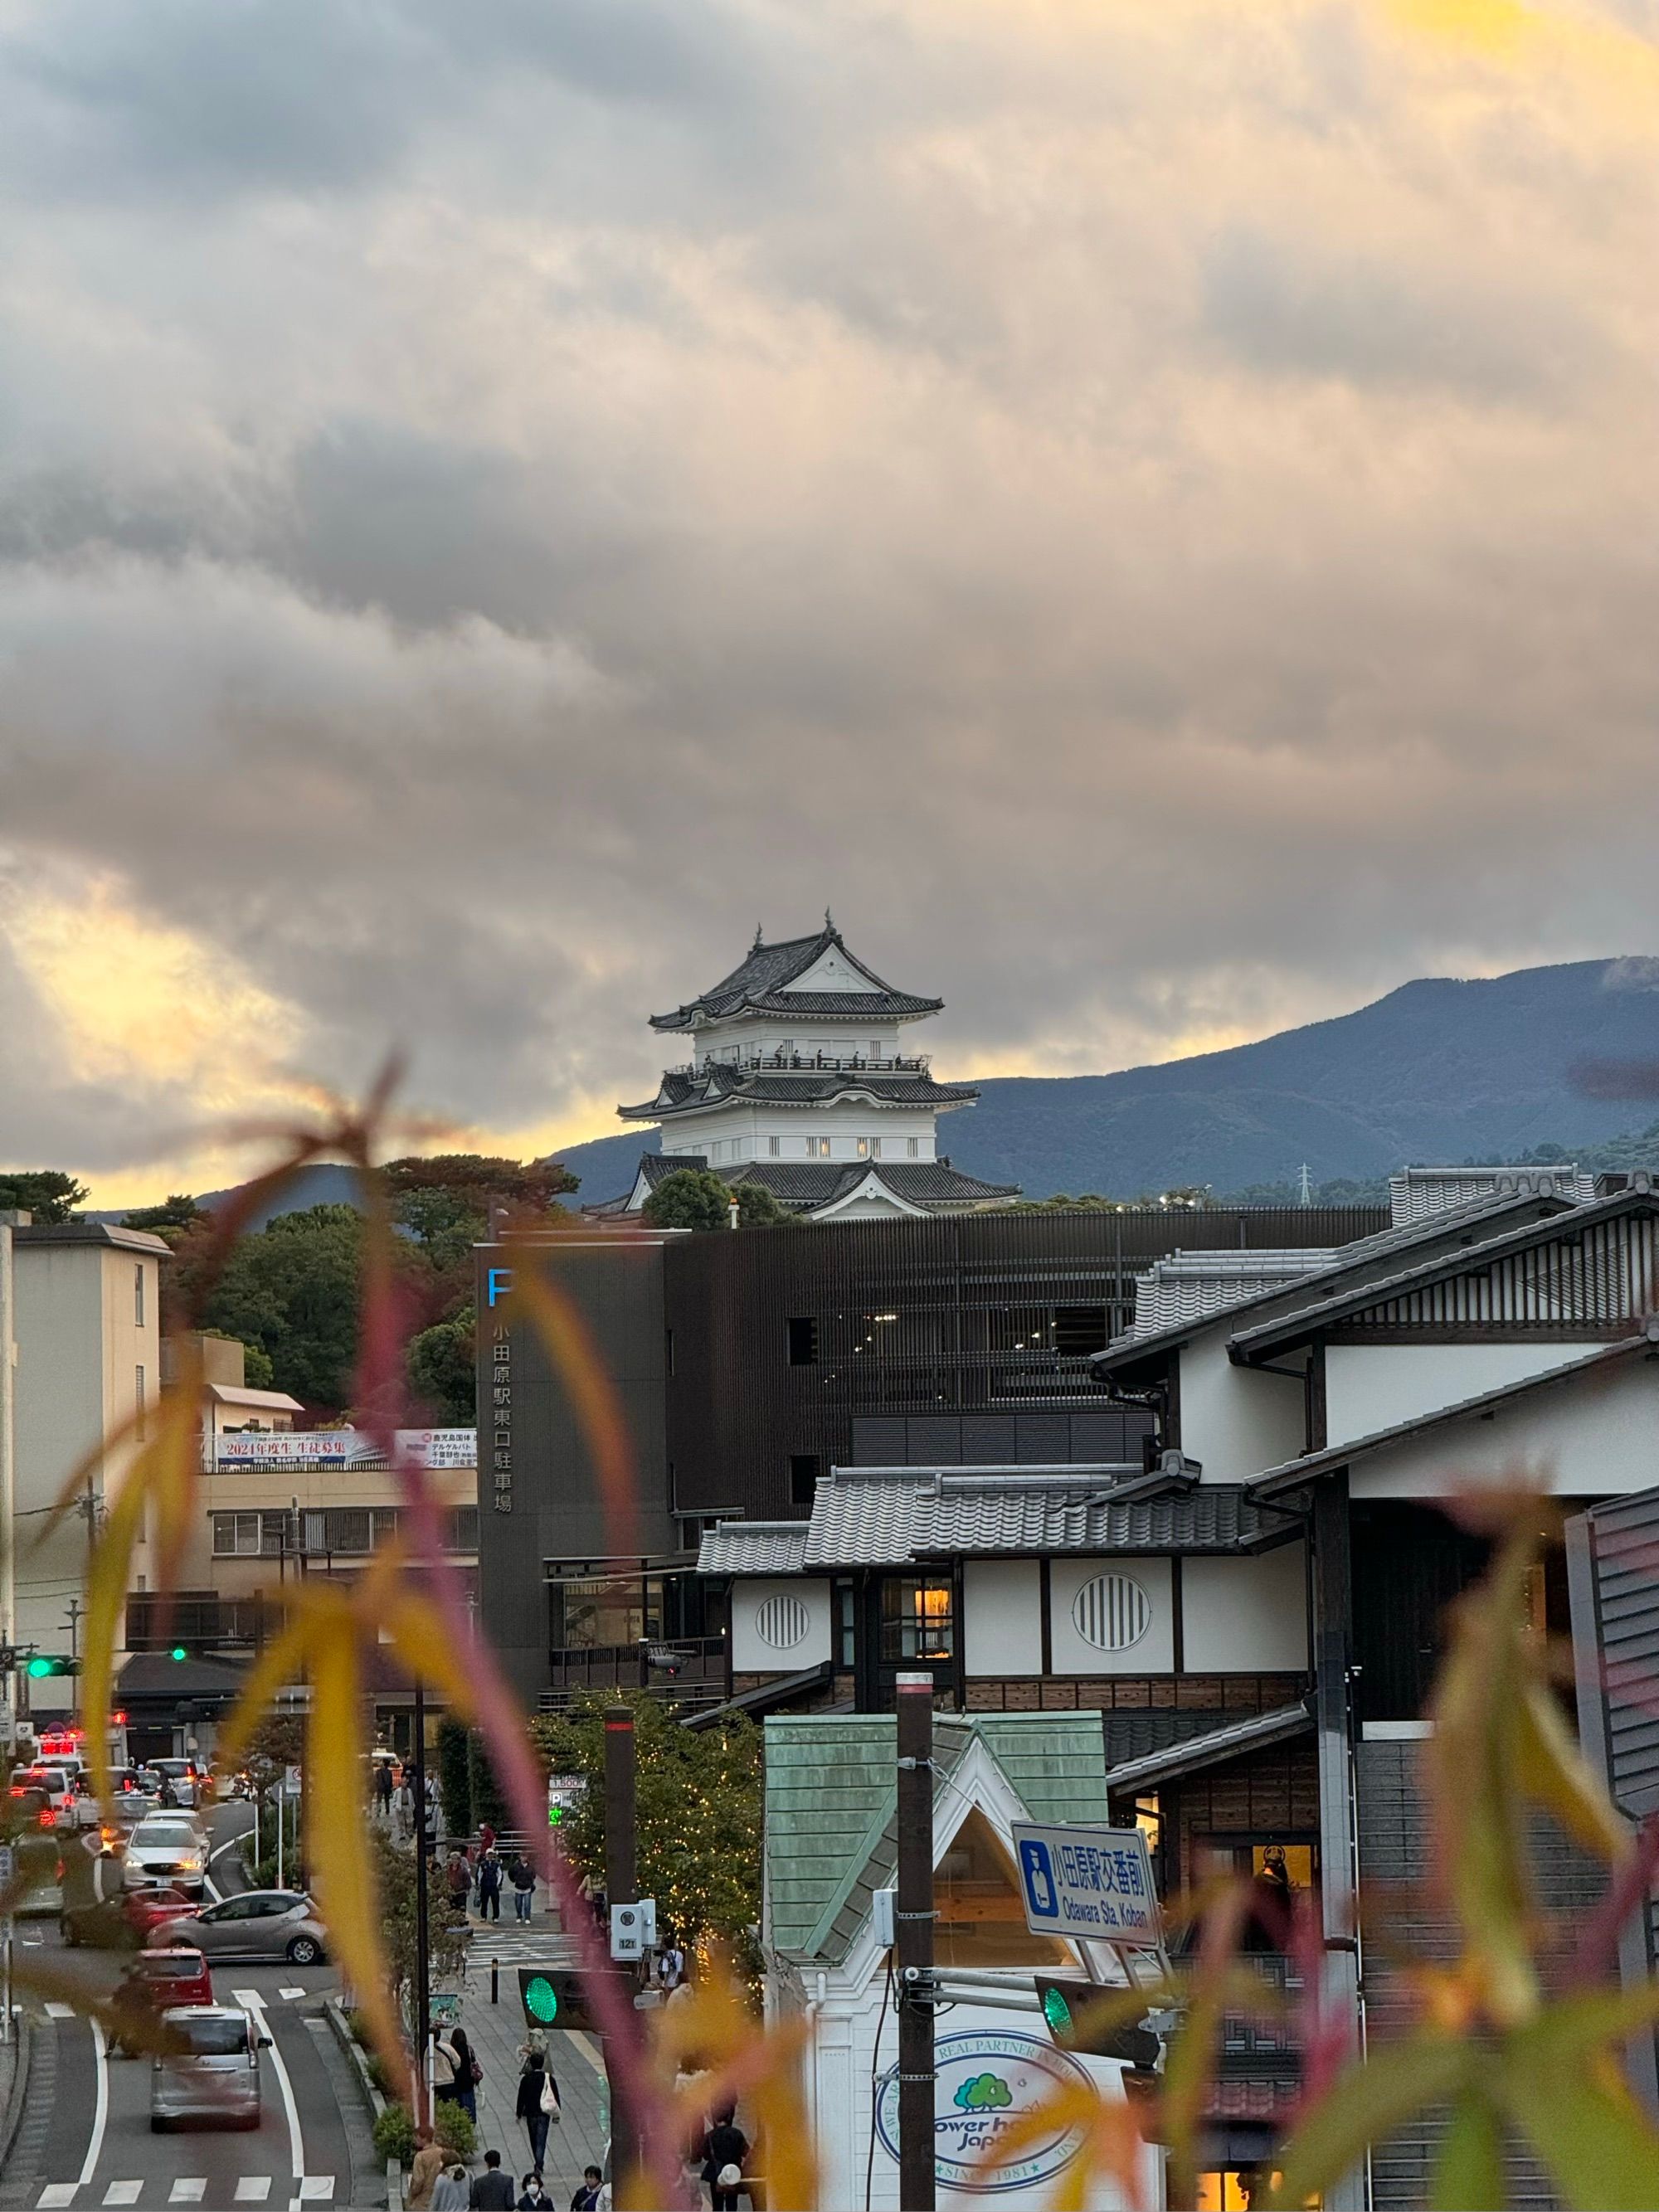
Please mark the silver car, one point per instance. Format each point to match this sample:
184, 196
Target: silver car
212, 2072
168, 1847
261, 1924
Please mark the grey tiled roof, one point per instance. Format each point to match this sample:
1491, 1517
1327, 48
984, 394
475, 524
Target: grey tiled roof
753, 1547
757, 981
866, 1517
803, 1186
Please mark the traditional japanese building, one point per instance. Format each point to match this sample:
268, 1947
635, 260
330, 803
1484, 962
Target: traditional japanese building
800, 1080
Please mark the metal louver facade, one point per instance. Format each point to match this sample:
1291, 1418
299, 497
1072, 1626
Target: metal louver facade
1612, 1577
964, 1323
1590, 1284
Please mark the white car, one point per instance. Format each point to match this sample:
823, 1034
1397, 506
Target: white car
168, 1847
64, 1791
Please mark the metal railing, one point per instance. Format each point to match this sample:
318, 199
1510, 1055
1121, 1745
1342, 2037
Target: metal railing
802, 1063
679, 1669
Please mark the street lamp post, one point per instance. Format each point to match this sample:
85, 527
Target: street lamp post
423, 1964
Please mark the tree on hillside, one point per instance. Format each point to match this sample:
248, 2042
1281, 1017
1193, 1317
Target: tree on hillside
292, 1291
444, 1202
46, 1192
690, 1197
442, 1369
169, 1220
699, 1810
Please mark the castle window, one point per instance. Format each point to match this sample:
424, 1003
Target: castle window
912, 1145
875, 1148
824, 1147
774, 1145
864, 1148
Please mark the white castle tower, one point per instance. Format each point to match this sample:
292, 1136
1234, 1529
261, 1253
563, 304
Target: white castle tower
799, 1079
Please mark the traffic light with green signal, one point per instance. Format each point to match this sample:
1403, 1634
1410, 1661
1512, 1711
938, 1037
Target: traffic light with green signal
1078, 2015
43, 1665
552, 1997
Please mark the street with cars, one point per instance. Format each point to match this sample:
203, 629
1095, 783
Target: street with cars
248, 2099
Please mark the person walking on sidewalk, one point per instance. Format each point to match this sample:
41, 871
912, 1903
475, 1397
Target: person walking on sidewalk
522, 1876
428, 2163
489, 1886
457, 1879
492, 2189
537, 2104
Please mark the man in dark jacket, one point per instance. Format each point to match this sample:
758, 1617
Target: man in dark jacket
492, 2189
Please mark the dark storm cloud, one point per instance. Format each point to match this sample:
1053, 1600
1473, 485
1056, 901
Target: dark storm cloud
1096, 500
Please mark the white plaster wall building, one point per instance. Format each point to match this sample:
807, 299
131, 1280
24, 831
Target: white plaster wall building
89, 1370
800, 1078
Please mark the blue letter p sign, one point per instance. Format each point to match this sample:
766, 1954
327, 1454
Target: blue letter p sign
1037, 1872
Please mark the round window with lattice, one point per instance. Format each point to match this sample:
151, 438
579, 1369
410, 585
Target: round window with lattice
1112, 1612
782, 1623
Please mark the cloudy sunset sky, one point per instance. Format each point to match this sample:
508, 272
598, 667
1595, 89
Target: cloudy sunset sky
1145, 507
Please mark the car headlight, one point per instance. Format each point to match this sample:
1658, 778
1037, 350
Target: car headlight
191, 1865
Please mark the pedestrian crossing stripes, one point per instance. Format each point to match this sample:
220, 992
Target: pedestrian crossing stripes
252, 2188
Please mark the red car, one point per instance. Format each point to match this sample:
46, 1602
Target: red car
126, 1921
151, 1983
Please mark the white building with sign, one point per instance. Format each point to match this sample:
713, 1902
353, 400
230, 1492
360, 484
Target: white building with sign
832, 1848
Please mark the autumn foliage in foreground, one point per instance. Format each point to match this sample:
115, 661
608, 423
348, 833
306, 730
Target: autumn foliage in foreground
1490, 2047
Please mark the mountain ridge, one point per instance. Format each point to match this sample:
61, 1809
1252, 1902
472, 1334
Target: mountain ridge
1437, 1071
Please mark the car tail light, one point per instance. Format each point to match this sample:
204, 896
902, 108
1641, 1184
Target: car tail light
48, 1817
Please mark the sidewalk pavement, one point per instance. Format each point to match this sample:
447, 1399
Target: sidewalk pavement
499, 2034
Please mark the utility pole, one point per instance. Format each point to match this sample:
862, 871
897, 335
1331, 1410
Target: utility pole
73, 1619
422, 1961
913, 1918
622, 1887
9, 1221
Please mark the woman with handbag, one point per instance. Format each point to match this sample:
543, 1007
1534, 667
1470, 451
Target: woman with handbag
467, 2071
538, 2105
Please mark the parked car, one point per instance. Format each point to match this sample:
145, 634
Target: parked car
261, 1924
210, 2069
185, 1775
153, 1983
168, 1847
127, 1920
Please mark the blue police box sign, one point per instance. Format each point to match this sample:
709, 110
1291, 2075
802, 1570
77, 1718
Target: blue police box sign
1094, 1883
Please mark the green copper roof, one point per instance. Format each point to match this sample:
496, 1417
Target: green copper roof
831, 1795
